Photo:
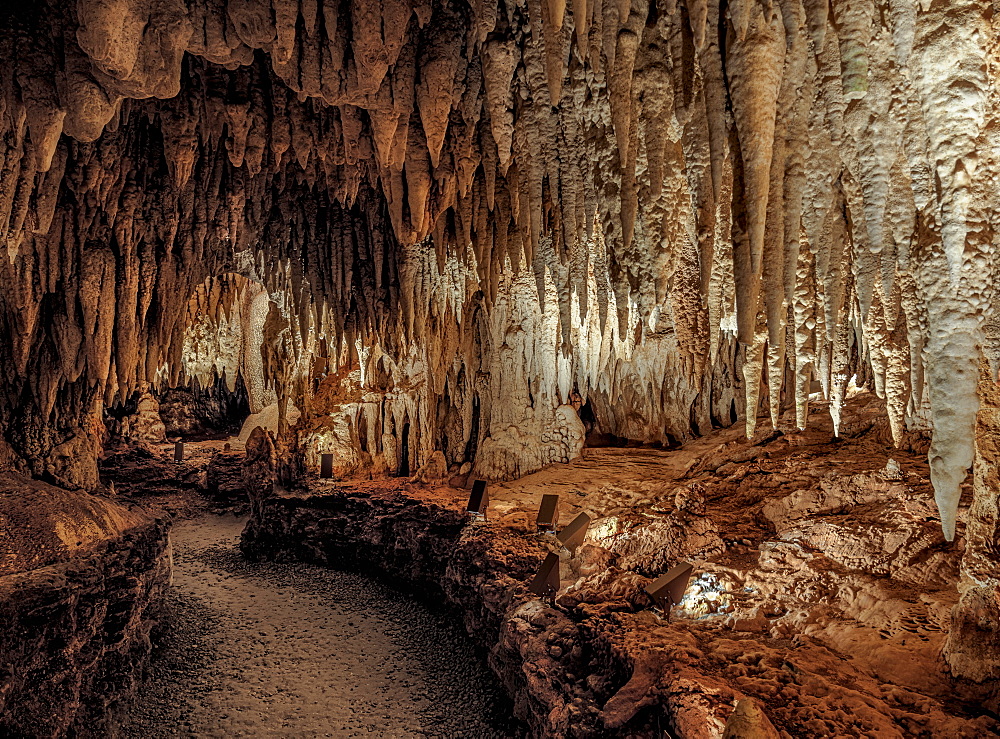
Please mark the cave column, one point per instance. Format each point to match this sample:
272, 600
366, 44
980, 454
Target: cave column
253, 364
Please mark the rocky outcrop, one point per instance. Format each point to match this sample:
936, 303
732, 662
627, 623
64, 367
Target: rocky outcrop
259, 468
81, 578
139, 470
145, 425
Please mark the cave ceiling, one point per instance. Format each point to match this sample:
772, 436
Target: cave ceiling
669, 193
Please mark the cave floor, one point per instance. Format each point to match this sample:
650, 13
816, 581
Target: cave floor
296, 650
823, 589
809, 550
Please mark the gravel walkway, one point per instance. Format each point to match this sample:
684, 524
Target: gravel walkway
269, 650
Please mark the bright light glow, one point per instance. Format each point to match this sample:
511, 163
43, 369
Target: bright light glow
707, 595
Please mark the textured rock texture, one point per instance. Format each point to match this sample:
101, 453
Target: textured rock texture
81, 578
973, 647
822, 591
224, 481
139, 470
146, 423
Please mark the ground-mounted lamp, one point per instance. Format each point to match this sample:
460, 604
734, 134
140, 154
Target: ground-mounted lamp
573, 535
479, 501
668, 589
326, 466
546, 580
179, 451
548, 514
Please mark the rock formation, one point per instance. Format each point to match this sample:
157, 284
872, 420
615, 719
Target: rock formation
440, 229
487, 208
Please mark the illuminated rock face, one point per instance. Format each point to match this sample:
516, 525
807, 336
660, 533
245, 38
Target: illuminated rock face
495, 211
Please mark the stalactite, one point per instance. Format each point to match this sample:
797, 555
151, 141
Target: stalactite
808, 175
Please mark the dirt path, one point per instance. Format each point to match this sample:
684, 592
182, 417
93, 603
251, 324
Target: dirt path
268, 650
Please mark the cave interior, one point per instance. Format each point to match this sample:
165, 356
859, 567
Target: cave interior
720, 274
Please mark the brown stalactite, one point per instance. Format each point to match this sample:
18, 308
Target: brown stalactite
812, 177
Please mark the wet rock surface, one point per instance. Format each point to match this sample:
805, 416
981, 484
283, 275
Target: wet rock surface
294, 650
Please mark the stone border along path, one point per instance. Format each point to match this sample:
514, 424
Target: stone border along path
275, 650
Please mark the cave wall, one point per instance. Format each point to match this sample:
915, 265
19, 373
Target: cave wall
81, 586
